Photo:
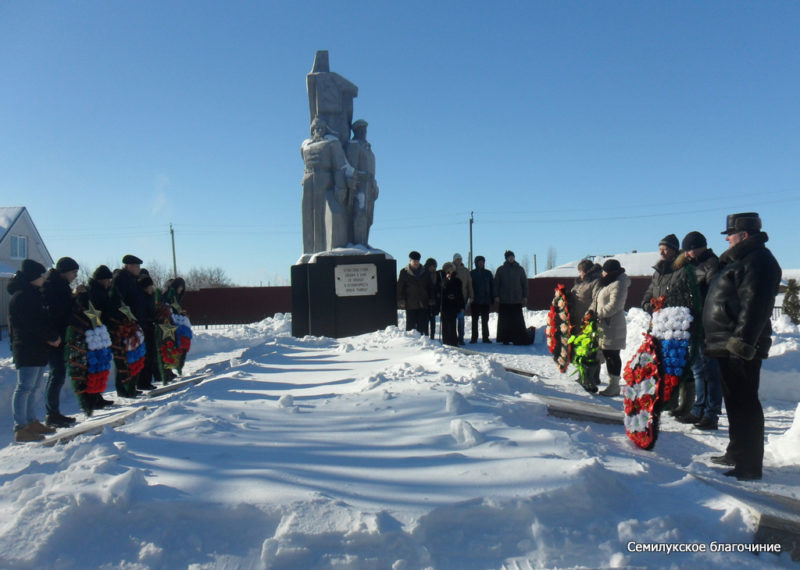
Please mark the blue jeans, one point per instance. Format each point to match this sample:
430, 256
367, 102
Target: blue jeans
29, 381
708, 387
55, 381
460, 321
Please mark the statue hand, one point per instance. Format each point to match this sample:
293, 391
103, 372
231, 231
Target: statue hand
341, 195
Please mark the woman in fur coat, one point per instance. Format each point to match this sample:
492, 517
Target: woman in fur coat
609, 308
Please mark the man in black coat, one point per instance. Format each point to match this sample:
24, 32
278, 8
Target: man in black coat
707, 406
59, 300
32, 336
483, 291
666, 276
125, 286
736, 318
412, 294
125, 290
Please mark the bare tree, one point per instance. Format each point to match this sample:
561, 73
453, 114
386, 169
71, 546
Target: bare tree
206, 277
551, 257
158, 272
526, 264
85, 272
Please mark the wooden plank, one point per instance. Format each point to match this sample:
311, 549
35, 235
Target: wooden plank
174, 386
91, 426
574, 409
778, 515
779, 530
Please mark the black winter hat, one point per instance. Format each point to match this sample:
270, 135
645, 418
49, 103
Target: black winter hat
102, 272
479, 258
509, 253
612, 266
66, 264
670, 241
145, 281
31, 270
745, 222
694, 240
131, 260
414, 255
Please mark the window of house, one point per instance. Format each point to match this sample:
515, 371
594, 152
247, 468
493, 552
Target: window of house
19, 247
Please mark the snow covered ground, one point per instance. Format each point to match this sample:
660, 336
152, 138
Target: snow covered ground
384, 450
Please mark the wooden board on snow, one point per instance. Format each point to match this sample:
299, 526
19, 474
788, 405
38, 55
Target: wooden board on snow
578, 410
92, 426
174, 386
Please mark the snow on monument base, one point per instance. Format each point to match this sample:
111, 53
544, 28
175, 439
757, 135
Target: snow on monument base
344, 295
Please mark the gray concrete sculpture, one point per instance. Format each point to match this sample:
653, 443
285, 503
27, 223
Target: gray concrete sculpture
325, 216
330, 97
363, 190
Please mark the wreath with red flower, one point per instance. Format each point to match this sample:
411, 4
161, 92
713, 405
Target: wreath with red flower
558, 329
173, 338
641, 394
129, 352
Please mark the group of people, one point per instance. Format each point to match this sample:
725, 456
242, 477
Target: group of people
48, 322
425, 292
731, 298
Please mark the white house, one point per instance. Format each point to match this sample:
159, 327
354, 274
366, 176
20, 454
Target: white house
636, 264
19, 239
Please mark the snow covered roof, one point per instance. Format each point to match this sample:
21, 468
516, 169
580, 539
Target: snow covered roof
8, 215
790, 274
635, 264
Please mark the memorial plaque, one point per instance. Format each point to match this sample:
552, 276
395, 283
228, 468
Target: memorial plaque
358, 280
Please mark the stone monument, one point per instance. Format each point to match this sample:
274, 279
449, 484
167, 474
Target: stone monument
340, 285
363, 188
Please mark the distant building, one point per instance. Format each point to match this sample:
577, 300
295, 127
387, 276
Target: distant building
638, 266
19, 239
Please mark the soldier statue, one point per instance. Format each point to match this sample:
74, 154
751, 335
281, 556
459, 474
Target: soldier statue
362, 185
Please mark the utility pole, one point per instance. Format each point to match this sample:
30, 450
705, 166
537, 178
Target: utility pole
471, 220
174, 264
534, 264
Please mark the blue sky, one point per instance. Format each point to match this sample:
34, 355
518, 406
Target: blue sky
576, 127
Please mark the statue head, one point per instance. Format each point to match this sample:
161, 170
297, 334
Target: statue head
319, 128
360, 129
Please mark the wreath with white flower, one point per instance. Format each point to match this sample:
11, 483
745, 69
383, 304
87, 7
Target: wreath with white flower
654, 372
672, 327
641, 394
88, 354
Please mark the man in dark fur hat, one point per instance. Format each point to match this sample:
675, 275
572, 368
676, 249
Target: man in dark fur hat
736, 319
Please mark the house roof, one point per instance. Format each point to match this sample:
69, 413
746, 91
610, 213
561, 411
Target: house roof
635, 264
8, 216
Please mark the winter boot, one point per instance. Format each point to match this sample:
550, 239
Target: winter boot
38, 427
686, 396
100, 402
25, 435
589, 378
613, 387
59, 420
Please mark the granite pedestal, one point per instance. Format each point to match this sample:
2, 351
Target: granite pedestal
338, 296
